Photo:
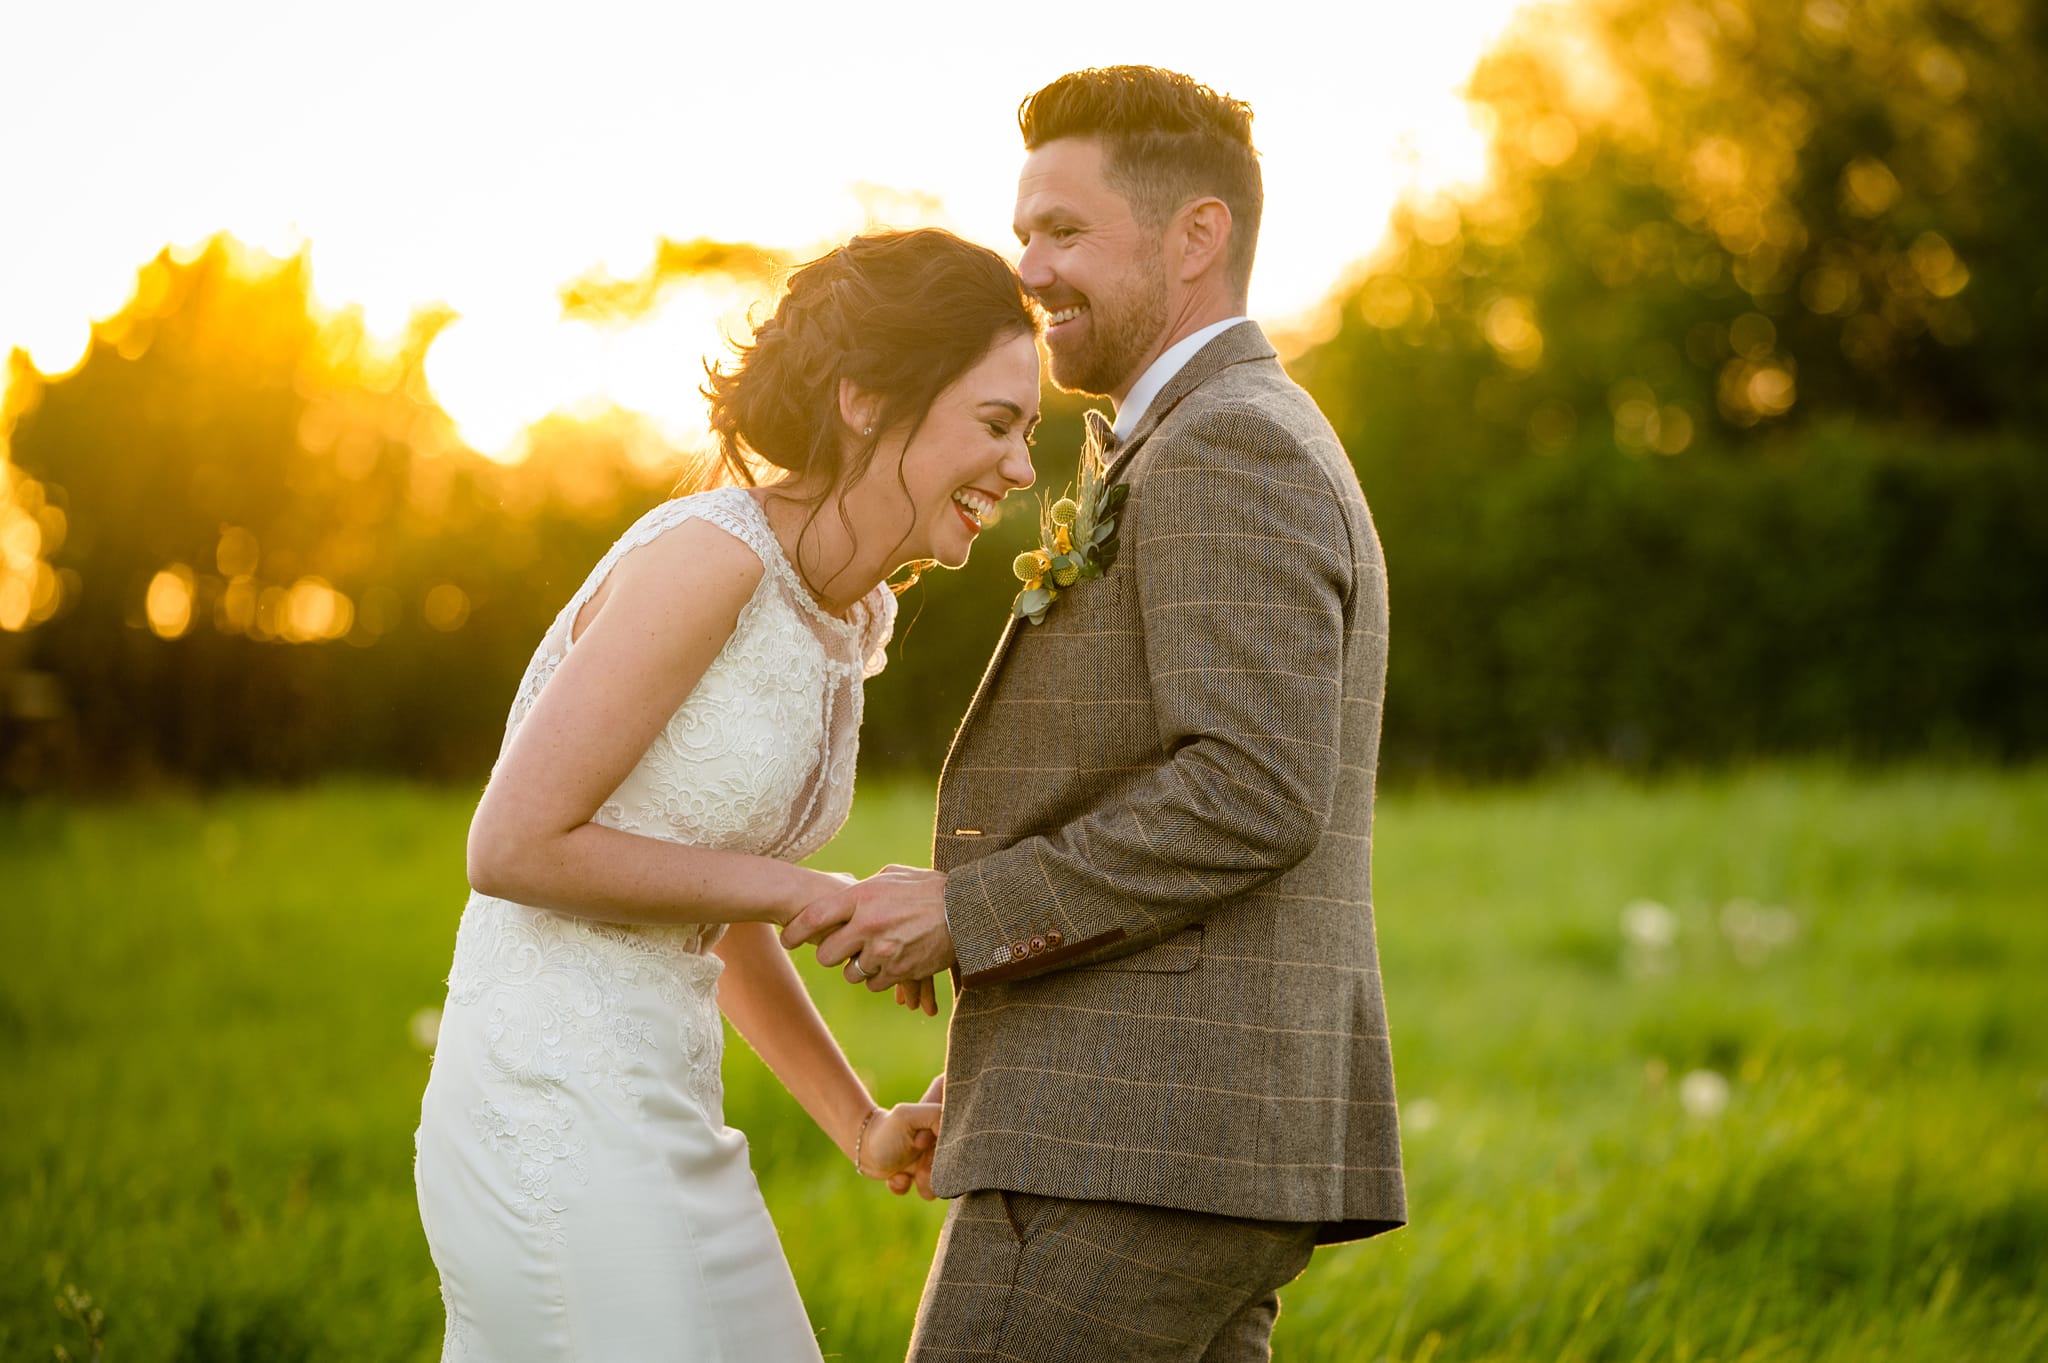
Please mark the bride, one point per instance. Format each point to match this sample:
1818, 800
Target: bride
683, 737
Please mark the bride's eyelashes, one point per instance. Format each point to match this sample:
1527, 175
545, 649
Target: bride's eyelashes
1002, 432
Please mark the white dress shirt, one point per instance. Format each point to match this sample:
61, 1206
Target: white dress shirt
1132, 409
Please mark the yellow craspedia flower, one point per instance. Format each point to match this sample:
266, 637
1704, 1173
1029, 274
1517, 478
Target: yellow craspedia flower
1066, 574
1029, 565
1064, 510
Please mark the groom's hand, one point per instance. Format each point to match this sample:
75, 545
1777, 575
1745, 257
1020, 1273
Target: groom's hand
894, 923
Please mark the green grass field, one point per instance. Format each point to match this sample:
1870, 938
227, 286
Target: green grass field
1792, 1104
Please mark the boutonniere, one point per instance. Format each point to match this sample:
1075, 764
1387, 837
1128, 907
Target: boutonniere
1076, 540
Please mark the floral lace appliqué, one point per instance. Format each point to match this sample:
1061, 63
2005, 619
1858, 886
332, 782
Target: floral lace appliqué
535, 1135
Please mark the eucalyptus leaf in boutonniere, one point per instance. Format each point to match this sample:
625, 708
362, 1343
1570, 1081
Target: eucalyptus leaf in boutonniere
1077, 540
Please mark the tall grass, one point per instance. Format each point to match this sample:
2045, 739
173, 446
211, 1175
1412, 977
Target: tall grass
1742, 1068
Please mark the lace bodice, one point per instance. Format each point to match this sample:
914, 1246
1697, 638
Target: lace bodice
760, 757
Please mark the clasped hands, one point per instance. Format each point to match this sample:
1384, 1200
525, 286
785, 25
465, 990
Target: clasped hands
889, 931
899, 1142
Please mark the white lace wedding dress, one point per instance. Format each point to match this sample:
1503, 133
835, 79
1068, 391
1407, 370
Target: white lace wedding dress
580, 1190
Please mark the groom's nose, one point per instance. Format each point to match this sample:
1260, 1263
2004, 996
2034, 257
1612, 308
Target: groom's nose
1032, 267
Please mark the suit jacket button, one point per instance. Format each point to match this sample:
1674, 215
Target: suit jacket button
1020, 947
1053, 937
1037, 945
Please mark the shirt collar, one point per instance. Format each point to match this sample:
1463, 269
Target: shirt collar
1162, 370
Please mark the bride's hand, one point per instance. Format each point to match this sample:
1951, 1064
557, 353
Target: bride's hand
898, 1147
811, 885
919, 995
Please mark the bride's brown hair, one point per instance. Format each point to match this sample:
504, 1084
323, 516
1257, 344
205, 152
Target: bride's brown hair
901, 314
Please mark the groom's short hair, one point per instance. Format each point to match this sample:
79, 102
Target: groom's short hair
1166, 139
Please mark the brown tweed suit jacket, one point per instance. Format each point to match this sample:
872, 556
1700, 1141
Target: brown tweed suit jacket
1156, 823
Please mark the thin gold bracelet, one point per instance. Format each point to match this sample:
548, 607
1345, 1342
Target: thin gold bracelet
862, 1135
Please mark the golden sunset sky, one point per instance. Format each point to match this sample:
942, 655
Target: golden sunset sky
482, 155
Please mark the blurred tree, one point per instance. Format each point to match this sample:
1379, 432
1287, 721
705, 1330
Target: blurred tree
1708, 218
1711, 424
252, 497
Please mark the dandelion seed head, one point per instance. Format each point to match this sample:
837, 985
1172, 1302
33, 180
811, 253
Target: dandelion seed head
1649, 925
1703, 1093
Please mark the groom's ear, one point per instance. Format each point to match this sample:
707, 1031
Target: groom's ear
1204, 228
858, 408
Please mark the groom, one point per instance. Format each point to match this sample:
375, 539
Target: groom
1168, 1076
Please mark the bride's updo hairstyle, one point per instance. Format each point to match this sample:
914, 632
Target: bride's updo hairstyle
901, 314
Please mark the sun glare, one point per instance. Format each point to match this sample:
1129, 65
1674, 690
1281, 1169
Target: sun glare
510, 174
498, 372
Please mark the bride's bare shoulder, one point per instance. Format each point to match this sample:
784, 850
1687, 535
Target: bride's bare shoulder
695, 571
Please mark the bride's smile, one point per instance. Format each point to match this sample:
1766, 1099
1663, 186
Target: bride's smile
973, 448
933, 484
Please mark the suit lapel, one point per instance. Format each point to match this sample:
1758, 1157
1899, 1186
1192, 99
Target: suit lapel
1096, 437
981, 693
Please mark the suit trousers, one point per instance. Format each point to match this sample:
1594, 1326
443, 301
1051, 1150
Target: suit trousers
1030, 1279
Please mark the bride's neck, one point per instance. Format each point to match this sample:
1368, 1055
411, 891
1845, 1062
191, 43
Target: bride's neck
816, 540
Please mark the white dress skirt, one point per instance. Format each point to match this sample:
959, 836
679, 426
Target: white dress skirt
581, 1193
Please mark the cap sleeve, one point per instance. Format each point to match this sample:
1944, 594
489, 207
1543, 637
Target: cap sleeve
734, 510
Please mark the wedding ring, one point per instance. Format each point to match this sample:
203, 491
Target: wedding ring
855, 963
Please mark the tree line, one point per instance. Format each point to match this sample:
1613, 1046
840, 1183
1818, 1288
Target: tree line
1709, 427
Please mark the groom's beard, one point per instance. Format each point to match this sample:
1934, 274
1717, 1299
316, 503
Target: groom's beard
1122, 328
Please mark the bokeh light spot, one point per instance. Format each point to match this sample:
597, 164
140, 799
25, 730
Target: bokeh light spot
1752, 335
447, 607
1935, 261
1510, 327
1869, 189
168, 602
235, 610
315, 611
1771, 390
237, 554
15, 598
